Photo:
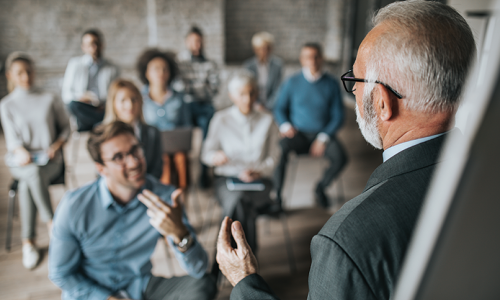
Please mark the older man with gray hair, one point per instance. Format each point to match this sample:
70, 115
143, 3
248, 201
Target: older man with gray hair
407, 79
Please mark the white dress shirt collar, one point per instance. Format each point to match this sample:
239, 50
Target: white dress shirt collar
390, 152
310, 77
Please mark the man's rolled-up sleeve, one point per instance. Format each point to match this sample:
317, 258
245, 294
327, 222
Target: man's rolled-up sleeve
195, 260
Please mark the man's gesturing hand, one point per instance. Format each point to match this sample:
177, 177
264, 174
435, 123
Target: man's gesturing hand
165, 218
238, 263
317, 148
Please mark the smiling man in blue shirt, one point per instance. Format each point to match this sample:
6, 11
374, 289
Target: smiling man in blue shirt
105, 232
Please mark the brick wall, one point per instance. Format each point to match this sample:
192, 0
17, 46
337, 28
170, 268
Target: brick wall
176, 17
292, 22
50, 30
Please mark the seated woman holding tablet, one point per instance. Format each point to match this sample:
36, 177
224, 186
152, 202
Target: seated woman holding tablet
242, 145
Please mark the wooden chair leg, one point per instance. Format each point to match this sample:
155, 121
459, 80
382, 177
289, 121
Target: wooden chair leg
166, 177
180, 161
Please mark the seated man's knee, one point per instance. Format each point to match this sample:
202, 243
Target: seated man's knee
335, 151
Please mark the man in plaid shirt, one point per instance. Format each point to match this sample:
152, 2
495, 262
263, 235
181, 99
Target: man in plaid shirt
200, 84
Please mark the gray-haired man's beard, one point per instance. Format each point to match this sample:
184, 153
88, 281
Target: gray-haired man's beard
368, 125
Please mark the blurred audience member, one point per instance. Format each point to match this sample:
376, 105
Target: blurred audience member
105, 232
309, 111
86, 81
242, 143
200, 78
125, 104
266, 67
36, 126
164, 107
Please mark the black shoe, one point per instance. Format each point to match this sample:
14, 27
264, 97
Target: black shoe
321, 198
273, 209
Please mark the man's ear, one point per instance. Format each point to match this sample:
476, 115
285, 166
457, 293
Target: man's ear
384, 103
101, 169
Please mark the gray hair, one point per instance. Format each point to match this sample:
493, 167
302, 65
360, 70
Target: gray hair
262, 38
239, 80
425, 54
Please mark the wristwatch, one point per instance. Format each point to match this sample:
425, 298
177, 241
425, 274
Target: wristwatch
185, 243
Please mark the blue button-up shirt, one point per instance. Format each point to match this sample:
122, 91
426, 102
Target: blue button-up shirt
390, 152
100, 248
173, 113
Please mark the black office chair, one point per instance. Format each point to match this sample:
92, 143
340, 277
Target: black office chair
12, 202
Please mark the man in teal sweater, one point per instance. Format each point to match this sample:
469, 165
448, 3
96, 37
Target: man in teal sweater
309, 111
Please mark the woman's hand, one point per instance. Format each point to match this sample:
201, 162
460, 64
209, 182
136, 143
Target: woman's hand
219, 158
249, 176
56, 146
22, 156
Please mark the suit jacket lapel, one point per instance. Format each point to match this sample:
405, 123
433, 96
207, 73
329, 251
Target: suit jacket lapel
253, 65
273, 69
411, 159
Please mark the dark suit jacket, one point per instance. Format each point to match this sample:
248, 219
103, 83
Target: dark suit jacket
273, 80
151, 143
360, 250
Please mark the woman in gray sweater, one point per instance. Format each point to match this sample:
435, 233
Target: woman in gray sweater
35, 126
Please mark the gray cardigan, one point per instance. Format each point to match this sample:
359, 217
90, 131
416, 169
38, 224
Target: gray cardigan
359, 252
274, 79
33, 119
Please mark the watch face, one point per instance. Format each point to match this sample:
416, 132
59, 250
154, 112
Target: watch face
185, 242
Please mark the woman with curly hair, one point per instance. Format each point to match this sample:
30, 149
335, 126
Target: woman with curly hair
163, 107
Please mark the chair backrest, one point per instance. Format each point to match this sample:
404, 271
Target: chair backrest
177, 140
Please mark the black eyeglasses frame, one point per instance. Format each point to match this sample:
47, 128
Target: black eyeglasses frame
352, 79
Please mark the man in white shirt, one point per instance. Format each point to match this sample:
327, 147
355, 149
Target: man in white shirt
86, 82
242, 143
